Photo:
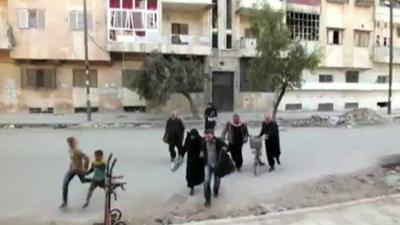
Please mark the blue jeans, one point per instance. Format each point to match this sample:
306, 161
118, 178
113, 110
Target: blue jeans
67, 179
209, 172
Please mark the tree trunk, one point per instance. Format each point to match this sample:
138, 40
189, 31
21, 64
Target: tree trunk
193, 108
282, 92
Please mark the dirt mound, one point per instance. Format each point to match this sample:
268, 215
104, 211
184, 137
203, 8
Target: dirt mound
361, 117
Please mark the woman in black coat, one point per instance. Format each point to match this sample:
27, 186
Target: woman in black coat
195, 164
270, 130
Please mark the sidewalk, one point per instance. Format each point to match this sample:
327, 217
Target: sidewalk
133, 119
377, 211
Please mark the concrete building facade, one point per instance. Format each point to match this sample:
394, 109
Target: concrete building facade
42, 52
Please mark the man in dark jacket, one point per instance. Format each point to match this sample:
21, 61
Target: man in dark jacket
174, 132
270, 130
238, 135
211, 150
210, 117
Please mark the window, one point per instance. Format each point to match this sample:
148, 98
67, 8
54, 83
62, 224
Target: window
79, 78
248, 33
352, 76
325, 78
293, 107
215, 14
30, 18
229, 41
215, 40
382, 79
398, 31
76, 20
385, 41
351, 105
136, 19
178, 30
303, 26
128, 77
325, 107
246, 83
361, 38
38, 78
335, 36
228, 14
382, 104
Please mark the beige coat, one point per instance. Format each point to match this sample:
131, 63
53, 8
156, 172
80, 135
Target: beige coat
79, 161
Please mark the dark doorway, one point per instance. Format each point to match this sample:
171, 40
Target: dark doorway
222, 91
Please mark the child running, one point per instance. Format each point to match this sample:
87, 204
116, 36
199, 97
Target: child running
98, 169
78, 166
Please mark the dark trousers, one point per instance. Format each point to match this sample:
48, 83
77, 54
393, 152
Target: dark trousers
237, 155
172, 146
209, 172
67, 179
93, 185
272, 156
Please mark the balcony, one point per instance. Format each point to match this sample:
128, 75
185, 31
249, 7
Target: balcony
364, 3
381, 54
5, 31
167, 44
186, 4
244, 6
338, 1
340, 86
247, 47
186, 44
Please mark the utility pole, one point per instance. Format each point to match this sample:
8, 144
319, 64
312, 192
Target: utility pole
87, 69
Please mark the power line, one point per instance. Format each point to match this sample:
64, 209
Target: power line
97, 45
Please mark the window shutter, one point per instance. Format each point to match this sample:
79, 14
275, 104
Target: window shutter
31, 78
90, 21
330, 36
23, 16
41, 19
185, 29
175, 28
93, 78
72, 20
49, 78
24, 79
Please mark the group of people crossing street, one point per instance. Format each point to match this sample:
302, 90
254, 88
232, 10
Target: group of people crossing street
204, 152
209, 157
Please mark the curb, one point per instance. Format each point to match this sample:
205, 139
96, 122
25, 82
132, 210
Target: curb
249, 219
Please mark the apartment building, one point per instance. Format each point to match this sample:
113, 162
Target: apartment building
42, 43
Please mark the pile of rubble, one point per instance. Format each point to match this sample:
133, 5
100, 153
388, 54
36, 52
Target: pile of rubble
356, 117
361, 117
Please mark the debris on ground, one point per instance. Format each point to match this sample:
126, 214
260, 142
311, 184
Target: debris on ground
353, 118
362, 117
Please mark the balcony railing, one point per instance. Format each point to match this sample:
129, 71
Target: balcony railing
181, 39
248, 43
381, 54
338, 1
365, 3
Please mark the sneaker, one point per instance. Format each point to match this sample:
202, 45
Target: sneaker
261, 163
191, 193
278, 161
207, 204
63, 206
85, 205
271, 169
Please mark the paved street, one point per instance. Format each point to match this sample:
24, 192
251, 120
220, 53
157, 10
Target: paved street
33, 163
383, 211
